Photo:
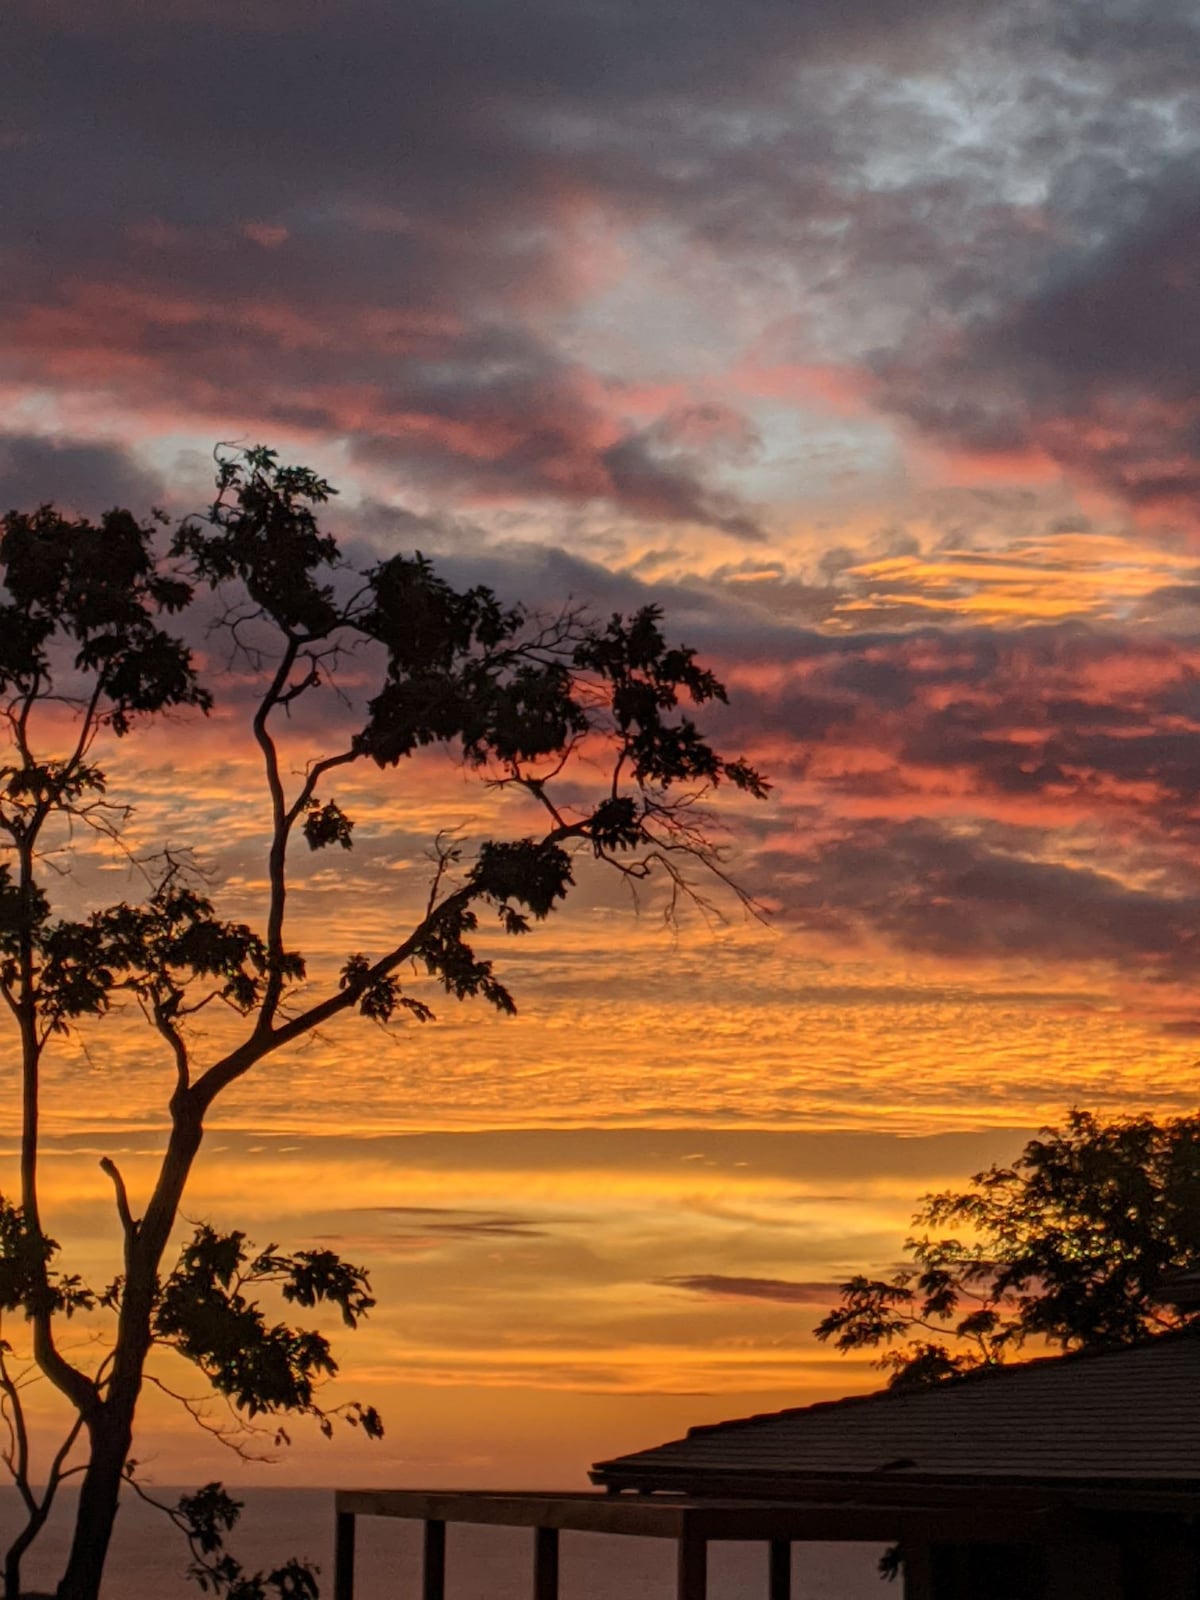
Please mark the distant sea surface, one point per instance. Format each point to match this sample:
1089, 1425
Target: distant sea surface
148, 1557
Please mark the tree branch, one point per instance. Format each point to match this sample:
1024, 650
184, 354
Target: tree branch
128, 1223
17, 1458
277, 854
176, 1042
232, 1438
238, 1062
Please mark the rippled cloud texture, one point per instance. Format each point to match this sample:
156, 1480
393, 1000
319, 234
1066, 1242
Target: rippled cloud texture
860, 337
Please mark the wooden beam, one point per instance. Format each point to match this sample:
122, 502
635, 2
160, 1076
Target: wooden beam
664, 1516
779, 1570
433, 1564
343, 1556
545, 1564
692, 1582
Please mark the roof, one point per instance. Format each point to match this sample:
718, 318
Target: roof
1126, 1416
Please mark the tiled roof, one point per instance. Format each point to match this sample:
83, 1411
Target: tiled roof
1127, 1415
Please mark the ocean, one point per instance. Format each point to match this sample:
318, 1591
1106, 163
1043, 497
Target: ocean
148, 1558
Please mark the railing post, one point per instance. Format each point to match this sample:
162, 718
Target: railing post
545, 1564
692, 1581
343, 1556
433, 1566
917, 1569
779, 1579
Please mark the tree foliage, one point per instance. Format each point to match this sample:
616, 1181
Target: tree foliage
205, 1519
1070, 1246
588, 726
203, 1313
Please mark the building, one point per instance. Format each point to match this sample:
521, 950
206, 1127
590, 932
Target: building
1070, 1477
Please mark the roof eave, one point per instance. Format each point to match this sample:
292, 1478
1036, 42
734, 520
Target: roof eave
1176, 1495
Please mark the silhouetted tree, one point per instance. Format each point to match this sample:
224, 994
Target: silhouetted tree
581, 722
1071, 1246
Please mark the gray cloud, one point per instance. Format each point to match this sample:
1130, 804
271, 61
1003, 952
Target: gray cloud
378, 247
785, 1290
81, 478
434, 1225
368, 223
965, 896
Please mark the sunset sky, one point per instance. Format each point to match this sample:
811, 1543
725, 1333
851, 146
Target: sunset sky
863, 338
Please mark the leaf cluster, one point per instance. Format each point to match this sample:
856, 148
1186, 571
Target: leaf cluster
533, 873
460, 667
647, 679
379, 995
456, 672
99, 586
29, 1282
327, 824
206, 1518
205, 1312
262, 530
1071, 1245
156, 951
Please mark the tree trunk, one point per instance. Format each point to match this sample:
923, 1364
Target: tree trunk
110, 1428
15, 1553
99, 1499
12, 1572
